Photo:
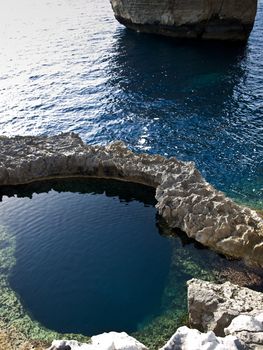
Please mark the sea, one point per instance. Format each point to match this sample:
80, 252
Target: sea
69, 66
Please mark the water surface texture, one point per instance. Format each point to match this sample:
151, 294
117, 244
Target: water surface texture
69, 66
89, 257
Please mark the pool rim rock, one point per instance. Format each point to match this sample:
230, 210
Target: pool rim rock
184, 198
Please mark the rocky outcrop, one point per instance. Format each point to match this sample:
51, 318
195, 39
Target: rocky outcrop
212, 307
105, 341
249, 329
202, 19
185, 199
245, 332
191, 339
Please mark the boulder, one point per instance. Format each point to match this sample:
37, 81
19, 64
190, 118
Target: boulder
213, 306
193, 19
191, 339
249, 329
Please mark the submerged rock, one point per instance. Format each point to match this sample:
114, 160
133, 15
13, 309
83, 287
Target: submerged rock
105, 341
212, 307
185, 199
194, 19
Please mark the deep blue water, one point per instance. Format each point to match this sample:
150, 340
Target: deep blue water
89, 256
69, 66
93, 255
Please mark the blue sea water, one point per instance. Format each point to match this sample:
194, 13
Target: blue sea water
69, 66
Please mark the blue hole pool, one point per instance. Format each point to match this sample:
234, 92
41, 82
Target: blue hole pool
93, 256
88, 259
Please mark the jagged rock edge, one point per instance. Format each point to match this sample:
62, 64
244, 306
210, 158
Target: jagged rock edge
184, 198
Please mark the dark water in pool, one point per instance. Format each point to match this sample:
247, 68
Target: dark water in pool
93, 256
89, 260
69, 66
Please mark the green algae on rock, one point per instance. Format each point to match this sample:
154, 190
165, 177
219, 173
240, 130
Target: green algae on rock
174, 295
174, 301
13, 318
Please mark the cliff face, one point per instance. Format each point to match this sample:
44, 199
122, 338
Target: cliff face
196, 19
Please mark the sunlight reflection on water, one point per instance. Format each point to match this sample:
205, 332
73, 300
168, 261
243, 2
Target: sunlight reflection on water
69, 66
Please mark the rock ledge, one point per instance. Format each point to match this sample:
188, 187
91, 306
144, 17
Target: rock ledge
212, 307
185, 199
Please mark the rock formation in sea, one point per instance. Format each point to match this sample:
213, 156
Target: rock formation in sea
193, 19
184, 199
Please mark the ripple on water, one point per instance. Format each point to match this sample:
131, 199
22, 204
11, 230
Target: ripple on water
88, 256
69, 66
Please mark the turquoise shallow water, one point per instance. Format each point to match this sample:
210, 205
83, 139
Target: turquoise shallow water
69, 66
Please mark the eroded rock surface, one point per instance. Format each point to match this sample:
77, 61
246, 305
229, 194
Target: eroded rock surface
185, 199
249, 329
191, 339
212, 307
105, 341
206, 19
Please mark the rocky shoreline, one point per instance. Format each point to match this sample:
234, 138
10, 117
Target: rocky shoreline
186, 201
230, 316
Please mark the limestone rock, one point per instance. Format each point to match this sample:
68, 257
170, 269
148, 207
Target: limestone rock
67, 345
191, 339
105, 341
184, 198
248, 329
205, 19
116, 341
213, 307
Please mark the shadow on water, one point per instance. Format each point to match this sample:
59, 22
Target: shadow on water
190, 100
126, 192
197, 72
